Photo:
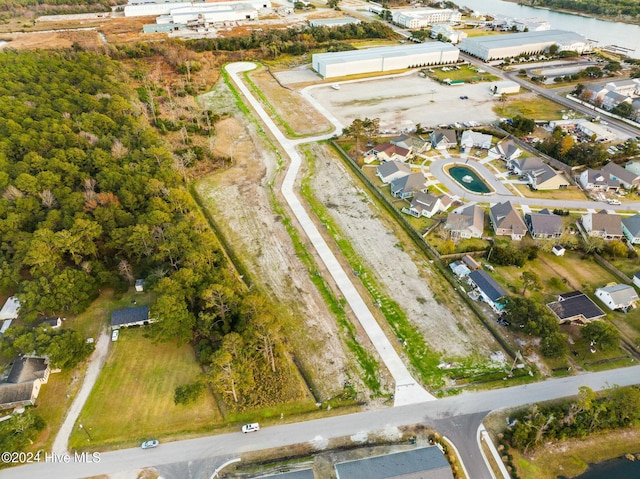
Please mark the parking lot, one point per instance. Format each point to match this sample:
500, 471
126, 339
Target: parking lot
401, 101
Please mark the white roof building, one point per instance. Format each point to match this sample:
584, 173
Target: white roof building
446, 32
494, 47
423, 17
156, 9
381, 59
10, 308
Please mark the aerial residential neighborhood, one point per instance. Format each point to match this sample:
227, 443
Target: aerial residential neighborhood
319, 239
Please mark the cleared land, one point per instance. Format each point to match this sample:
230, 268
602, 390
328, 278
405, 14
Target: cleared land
144, 375
241, 202
403, 100
447, 324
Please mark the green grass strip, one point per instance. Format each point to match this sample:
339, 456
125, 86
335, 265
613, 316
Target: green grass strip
424, 360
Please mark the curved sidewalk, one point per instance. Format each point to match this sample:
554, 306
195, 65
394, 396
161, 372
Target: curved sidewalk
407, 390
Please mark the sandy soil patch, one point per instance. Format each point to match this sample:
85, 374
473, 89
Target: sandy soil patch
292, 107
240, 201
88, 39
408, 278
402, 101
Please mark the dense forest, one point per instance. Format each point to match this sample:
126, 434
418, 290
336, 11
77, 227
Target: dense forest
607, 8
90, 198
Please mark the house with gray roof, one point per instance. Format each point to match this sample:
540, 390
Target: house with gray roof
627, 178
488, 289
407, 186
425, 462
612, 99
521, 165
415, 144
546, 178
598, 180
507, 150
443, 139
633, 167
507, 221
594, 94
469, 223
474, 139
618, 296
10, 308
137, 316
22, 386
391, 170
544, 224
427, 205
631, 228
575, 307
459, 269
603, 225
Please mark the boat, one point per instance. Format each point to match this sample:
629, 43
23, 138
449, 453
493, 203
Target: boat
335, 86
467, 179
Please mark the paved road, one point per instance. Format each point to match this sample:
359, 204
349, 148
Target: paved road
456, 414
96, 361
407, 389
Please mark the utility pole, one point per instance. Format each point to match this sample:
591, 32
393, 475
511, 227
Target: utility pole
87, 431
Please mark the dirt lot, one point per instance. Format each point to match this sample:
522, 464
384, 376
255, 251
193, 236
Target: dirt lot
404, 100
409, 279
240, 201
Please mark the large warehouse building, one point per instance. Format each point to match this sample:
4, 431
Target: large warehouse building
496, 47
137, 9
331, 65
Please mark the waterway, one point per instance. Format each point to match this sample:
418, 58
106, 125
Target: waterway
473, 183
619, 468
603, 31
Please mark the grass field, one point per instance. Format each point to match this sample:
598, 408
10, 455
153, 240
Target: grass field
571, 193
465, 73
533, 107
133, 397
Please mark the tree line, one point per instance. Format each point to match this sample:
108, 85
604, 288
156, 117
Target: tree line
608, 8
90, 198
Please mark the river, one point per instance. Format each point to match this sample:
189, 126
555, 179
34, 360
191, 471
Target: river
604, 32
619, 468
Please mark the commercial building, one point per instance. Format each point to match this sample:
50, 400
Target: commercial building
337, 64
155, 9
496, 47
447, 33
423, 17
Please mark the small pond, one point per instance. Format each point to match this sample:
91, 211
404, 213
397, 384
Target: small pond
468, 179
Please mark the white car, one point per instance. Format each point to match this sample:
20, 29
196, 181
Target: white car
614, 202
150, 444
114, 334
253, 427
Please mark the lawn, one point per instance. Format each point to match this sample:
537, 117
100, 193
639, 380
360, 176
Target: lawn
571, 193
98, 314
532, 107
133, 397
465, 73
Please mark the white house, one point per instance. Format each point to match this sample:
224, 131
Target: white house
507, 150
426, 204
598, 180
473, 139
617, 296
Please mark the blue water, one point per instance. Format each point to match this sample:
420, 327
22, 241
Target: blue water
476, 185
605, 32
619, 468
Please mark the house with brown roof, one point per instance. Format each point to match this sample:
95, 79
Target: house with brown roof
22, 386
387, 152
603, 225
543, 225
469, 223
546, 178
507, 221
443, 139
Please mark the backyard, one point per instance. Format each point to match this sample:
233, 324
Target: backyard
133, 398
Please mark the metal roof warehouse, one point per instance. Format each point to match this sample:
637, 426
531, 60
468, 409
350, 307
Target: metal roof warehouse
381, 59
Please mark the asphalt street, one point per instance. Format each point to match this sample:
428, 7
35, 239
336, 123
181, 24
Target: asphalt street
456, 416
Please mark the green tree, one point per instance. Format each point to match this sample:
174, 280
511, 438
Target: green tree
529, 279
603, 334
188, 393
554, 345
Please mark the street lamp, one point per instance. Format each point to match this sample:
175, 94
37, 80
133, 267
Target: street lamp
87, 431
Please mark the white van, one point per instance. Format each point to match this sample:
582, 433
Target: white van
614, 202
253, 427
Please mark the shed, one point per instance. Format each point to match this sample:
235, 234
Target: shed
558, 250
139, 285
130, 317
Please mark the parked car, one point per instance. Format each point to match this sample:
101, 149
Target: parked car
150, 444
253, 427
114, 334
614, 202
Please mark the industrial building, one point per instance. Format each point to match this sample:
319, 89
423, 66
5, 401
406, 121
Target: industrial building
337, 64
155, 9
423, 17
333, 22
496, 47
